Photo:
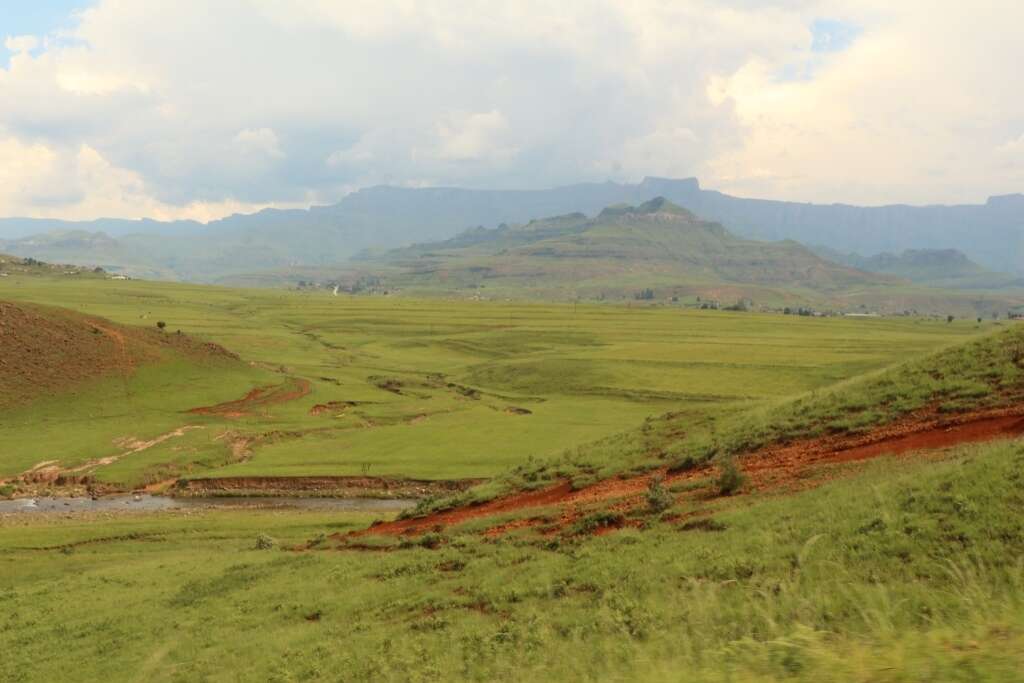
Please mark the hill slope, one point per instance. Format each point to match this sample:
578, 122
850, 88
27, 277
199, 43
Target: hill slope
78, 391
965, 393
46, 351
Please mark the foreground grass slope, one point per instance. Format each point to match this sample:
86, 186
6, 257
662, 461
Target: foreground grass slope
910, 570
429, 389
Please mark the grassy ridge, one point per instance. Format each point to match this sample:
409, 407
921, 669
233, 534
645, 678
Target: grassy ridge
910, 571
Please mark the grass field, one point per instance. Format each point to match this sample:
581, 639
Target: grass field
905, 570
899, 568
430, 389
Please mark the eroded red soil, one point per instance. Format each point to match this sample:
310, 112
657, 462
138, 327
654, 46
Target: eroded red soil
783, 466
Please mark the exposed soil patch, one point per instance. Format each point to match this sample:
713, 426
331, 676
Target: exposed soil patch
259, 398
332, 407
785, 466
514, 410
348, 487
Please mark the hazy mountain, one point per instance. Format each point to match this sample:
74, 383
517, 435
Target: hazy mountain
992, 234
934, 267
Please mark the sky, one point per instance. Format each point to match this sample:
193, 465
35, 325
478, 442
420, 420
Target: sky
191, 109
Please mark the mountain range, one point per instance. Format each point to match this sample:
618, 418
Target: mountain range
240, 247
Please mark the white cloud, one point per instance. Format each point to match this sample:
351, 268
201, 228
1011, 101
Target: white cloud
258, 141
223, 105
1013, 149
474, 137
21, 43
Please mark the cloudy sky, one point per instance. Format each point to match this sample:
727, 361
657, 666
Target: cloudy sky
191, 108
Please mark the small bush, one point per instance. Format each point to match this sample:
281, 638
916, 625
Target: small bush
7, 491
658, 497
161, 325
730, 479
685, 464
703, 524
430, 541
265, 542
597, 520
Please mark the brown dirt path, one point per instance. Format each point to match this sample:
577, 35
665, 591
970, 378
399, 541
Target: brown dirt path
775, 466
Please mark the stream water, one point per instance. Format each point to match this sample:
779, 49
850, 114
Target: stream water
148, 503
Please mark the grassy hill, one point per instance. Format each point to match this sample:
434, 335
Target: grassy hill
623, 250
882, 568
45, 352
655, 250
79, 392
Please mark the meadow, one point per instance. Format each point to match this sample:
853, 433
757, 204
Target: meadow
904, 569
897, 568
429, 389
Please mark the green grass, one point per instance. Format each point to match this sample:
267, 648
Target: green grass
905, 569
912, 570
584, 373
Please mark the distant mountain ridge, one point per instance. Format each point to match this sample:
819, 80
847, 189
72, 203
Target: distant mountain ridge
386, 217
934, 267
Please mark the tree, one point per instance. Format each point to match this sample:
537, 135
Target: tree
949, 318
161, 325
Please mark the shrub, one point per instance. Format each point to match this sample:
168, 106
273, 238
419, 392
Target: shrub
265, 542
597, 520
430, 541
685, 464
7, 491
730, 479
658, 497
703, 524
161, 324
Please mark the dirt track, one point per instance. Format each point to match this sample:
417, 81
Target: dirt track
774, 467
